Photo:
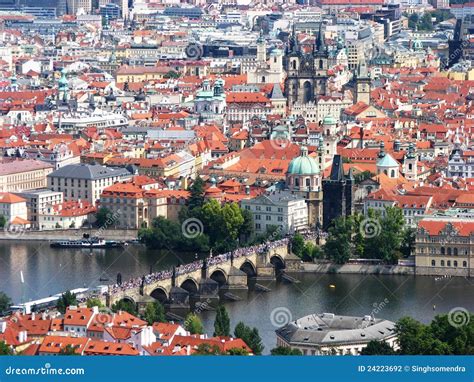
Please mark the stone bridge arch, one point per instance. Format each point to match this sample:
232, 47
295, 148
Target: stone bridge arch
220, 276
190, 285
160, 294
278, 262
249, 268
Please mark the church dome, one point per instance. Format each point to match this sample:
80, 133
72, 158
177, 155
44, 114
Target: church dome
303, 164
387, 161
329, 120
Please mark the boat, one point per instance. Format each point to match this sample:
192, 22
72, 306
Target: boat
88, 243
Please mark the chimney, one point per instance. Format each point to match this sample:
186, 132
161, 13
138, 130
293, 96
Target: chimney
3, 326
33, 316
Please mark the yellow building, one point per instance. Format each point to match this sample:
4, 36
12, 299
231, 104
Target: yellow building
445, 247
140, 73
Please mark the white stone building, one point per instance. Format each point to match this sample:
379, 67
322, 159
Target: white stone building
282, 209
84, 181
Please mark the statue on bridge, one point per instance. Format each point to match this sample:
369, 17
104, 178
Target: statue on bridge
119, 278
142, 285
173, 276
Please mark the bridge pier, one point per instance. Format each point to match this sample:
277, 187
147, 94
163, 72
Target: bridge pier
266, 276
178, 303
208, 294
236, 287
292, 263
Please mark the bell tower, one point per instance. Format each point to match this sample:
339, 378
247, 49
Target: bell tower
362, 83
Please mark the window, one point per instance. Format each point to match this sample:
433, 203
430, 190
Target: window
257, 226
455, 251
449, 263
442, 263
269, 209
257, 217
268, 217
455, 263
464, 264
449, 251
433, 263
443, 251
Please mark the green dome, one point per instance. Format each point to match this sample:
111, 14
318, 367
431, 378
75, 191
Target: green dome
329, 120
303, 165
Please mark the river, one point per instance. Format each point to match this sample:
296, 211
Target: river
48, 271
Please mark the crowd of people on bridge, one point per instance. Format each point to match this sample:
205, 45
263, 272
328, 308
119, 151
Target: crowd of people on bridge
138, 282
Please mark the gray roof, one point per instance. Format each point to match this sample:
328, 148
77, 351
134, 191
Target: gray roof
276, 92
328, 329
88, 171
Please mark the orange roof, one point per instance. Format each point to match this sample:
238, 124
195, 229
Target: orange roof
246, 97
434, 227
8, 198
54, 344
109, 348
78, 316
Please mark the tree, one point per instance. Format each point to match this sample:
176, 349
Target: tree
297, 245
413, 21
196, 197
233, 219
361, 176
93, 301
408, 242
247, 229
3, 221
126, 306
67, 299
154, 312
171, 74
377, 348
207, 349
68, 350
222, 322
5, 349
5, 302
163, 234
193, 324
426, 22
308, 251
338, 243
102, 216
283, 350
237, 351
250, 336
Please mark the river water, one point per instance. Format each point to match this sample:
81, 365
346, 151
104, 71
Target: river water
49, 271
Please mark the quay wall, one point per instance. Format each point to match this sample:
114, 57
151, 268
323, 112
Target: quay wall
108, 234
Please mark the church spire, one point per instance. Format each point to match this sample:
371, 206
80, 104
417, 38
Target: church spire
320, 44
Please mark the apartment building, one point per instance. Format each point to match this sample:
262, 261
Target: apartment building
85, 181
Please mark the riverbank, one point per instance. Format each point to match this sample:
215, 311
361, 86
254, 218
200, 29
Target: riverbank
379, 269
107, 234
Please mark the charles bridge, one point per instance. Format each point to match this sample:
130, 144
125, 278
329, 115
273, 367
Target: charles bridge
228, 279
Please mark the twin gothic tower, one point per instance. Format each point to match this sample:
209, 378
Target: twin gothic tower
306, 71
